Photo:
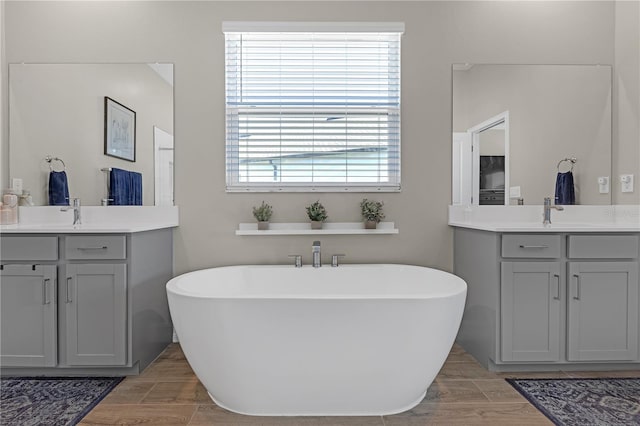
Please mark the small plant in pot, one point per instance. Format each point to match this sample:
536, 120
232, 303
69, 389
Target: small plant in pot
317, 214
263, 213
371, 213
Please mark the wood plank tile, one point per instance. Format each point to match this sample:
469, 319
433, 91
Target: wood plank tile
190, 392
167, 370
454, 391
465, 371
128, 392
349, 421
122, 414
174, 352
499, 391
457, 349
534, 375
207, 415
460, 357
494, 414
213, 415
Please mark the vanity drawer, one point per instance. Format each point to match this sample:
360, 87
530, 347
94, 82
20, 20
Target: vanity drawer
531, 246
28, 248
95, 247
603, 246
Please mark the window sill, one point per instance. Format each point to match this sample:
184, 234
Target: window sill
329, 228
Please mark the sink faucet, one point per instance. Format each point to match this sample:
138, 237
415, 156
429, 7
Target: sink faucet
75, 205
547, 210
315, 252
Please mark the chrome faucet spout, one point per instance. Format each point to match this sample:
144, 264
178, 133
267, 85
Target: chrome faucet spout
316, 254
546, 213
76, 207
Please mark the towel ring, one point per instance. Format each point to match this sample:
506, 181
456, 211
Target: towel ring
49, 159
572, 160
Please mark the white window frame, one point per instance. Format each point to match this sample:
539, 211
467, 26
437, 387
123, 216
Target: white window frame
232, 151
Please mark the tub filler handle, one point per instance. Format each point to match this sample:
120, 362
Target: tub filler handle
316, 258
334, 259
297, 260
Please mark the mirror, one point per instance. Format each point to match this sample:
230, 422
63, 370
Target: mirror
517, 127
58, 112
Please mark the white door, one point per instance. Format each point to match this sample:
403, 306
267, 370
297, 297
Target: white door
462, 179
163, 166
500, 121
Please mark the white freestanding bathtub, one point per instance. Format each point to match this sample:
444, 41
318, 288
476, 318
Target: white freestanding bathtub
351, 340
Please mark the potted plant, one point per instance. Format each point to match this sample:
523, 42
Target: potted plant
317, 214
263, 213
371, 213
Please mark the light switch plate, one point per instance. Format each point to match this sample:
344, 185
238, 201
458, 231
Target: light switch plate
626, 183
603, 184
16, 185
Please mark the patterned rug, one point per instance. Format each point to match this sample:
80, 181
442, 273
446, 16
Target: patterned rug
59, 401
569, 402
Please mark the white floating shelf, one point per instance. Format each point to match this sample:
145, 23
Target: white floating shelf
329, 228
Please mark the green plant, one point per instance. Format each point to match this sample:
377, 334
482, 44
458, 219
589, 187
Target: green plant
372, 210
317, 212
263, 212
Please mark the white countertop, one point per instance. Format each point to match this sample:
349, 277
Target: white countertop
617, 218
95, 220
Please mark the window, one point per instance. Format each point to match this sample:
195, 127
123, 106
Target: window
312, 106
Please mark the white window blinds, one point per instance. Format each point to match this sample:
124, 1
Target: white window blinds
316, 110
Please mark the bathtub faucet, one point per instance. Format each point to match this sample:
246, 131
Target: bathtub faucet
315, 253
297, 260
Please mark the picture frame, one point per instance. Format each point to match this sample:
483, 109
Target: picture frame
119, 130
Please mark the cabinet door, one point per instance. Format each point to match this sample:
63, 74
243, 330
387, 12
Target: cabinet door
530, 306
28, 315
603, 311
96, 314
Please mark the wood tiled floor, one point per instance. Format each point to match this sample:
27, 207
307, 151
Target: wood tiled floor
464, 393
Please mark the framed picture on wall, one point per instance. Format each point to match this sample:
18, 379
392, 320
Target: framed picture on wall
119, 130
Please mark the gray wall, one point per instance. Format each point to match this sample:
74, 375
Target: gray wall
626, 95
189, 35
4, 129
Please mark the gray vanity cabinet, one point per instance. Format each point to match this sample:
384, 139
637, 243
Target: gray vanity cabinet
28, 315
602, 311
84, 304
550, 301
96, 314
531, 305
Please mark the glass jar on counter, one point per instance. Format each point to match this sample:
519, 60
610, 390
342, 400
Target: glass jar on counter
9, 209
26, 200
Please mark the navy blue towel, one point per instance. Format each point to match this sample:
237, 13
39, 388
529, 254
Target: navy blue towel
565, 192
125, 188
58, 189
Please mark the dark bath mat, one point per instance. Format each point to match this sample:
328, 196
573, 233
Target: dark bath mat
580, 402
59, 401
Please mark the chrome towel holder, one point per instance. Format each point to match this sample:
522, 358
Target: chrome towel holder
572, 160
49, 159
